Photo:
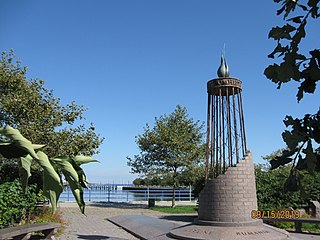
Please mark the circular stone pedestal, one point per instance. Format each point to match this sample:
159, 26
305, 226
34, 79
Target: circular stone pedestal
201, 232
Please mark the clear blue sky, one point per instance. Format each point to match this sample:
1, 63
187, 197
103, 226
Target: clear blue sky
129, 61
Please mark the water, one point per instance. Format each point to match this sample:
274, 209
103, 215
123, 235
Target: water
118, 195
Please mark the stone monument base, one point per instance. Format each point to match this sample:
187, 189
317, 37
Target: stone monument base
225, 209
201, 232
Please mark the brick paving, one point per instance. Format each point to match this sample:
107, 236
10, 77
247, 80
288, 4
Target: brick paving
94, 225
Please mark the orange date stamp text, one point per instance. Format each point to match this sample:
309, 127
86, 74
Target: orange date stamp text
280, 214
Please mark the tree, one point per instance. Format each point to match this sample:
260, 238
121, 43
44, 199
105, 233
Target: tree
303, 138
30, 107
173, 145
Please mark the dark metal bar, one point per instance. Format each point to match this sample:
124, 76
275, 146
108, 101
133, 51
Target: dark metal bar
220, 131
208, 137
229, 128
223, 136
213, 147
217, 136
243, 126
235, 125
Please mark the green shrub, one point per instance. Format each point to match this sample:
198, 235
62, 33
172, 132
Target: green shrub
271, 192
283, 225
15, 206
9, 170
310, 227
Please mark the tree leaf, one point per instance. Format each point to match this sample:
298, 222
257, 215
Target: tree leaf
284, 158
313, 3
300, 33
278, 33
316, 54
304, 8
279, 161
71, 175
271, 72
278, 49
83, 159
290, 121
301, 164
52, 186
19, 141
293, 182
24, 171
315, 12
291, 139
10, 150
281, 9
311, 158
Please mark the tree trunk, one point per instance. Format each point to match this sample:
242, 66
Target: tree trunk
174, 188
174, 195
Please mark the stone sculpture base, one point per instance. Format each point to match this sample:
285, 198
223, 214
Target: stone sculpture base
225, 207
230, 197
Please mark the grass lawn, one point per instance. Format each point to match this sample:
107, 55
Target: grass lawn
176, 209
310, 227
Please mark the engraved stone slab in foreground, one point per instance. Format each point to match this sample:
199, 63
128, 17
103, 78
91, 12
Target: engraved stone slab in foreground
200, 232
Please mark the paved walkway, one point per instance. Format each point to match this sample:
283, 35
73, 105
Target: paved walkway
94, 225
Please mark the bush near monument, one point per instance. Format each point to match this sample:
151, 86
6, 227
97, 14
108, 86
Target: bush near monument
16, 206
272, 192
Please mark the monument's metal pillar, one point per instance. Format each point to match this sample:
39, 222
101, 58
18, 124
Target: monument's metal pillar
226, 137
229, 195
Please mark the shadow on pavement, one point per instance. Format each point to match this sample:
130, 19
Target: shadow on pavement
179, 218
122, 205
97, 237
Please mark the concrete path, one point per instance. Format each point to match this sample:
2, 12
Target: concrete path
94, 225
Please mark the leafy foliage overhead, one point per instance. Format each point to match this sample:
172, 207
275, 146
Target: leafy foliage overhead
300, 140
295, 65
303, 137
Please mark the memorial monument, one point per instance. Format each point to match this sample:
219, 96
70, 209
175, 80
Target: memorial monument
228, 207
228, 202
